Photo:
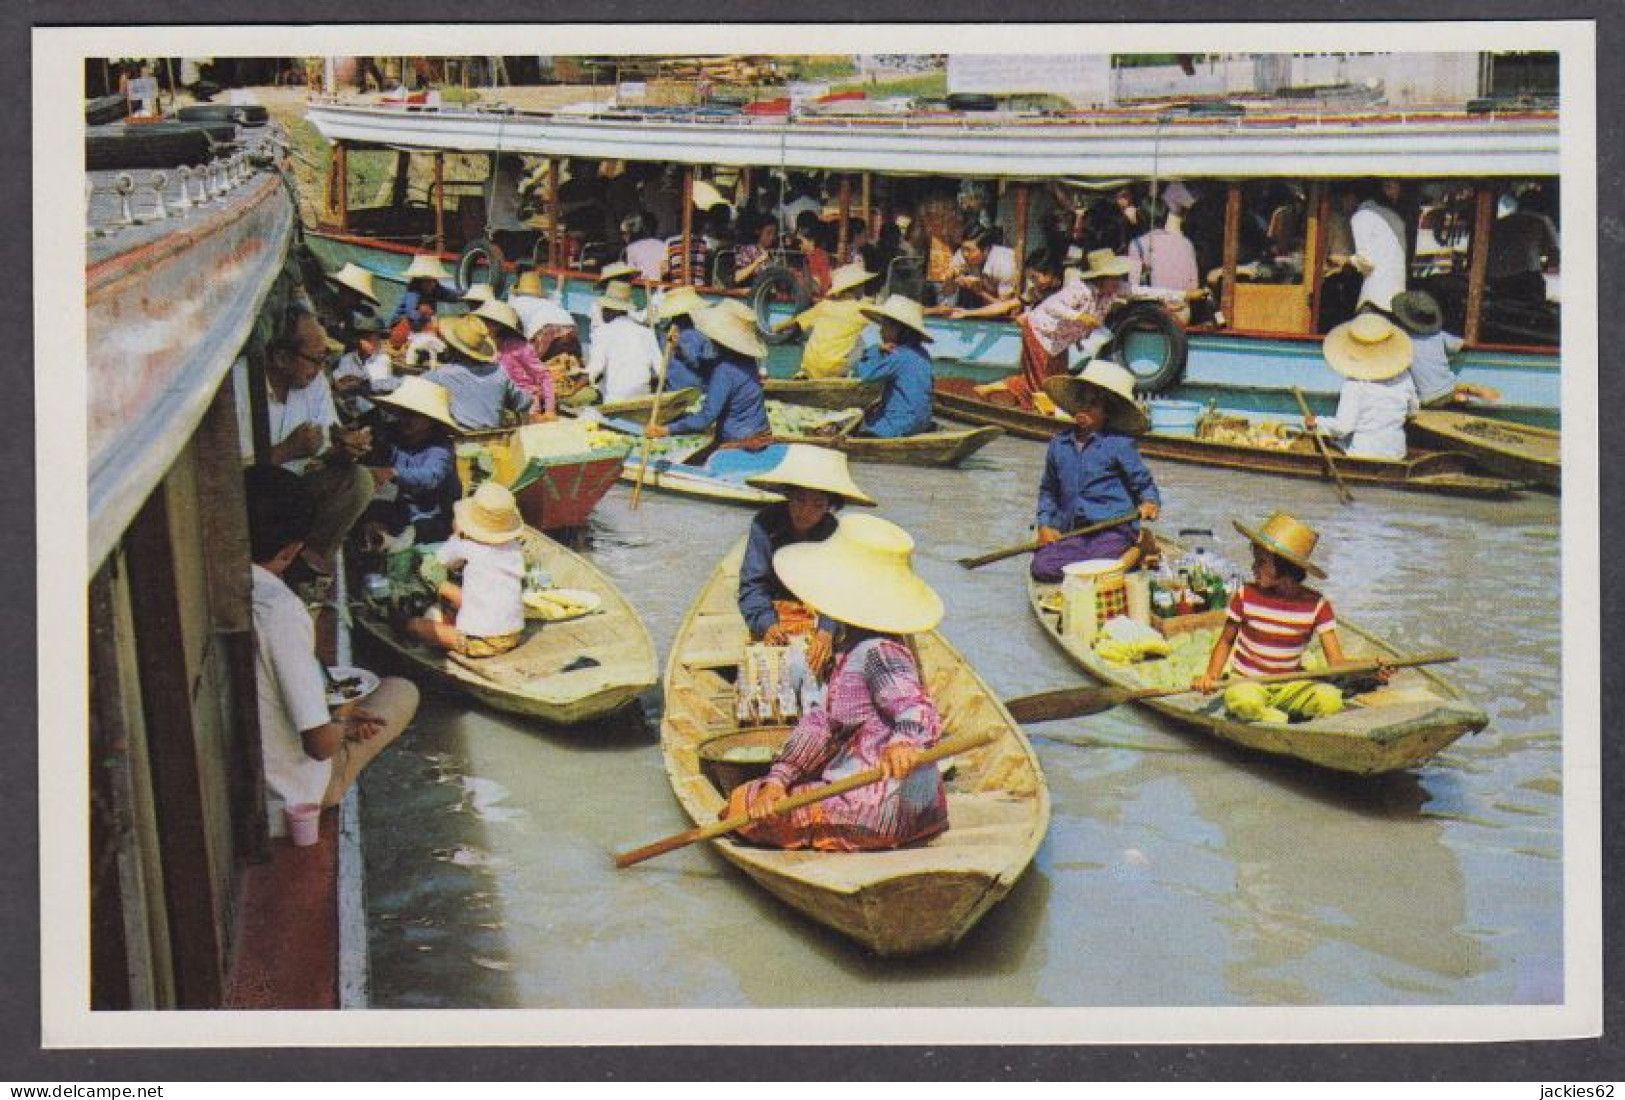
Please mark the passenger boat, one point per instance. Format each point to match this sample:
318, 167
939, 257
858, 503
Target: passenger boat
1267, 340
902, 902
1530, 454
1448, 473
564, 673
1400, 726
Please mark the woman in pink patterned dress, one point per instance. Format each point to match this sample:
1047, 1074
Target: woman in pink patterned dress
518, 358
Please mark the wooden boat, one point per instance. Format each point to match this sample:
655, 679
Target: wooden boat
901, 902
1520, 451
824, 393
532, 680
672, 405
556, 483
1444, 472
934, 448
1410, 720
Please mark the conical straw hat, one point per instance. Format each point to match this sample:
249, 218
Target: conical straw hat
467, 334
1288, 538
422, 396
723, 326
809, 467
905, 311
1103, 262
1107, 378
739, 309
529, 285
490, 515
1369, 348
426, 265
680, 301
617, 296
501, 313
358, 279
862, 575
479, 292
849, 276
620, 269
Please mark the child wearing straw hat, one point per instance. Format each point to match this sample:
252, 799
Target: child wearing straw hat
481, 391
517, 358
834, 326
419, 463
877, 711
489, 604
624, 360
1374, 356
815, 483
734, 400
1093, 471
1269, 626
902, 363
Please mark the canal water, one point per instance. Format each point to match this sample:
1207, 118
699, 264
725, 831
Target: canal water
1176, 871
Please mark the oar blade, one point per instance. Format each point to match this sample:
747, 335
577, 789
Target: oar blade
1075, 702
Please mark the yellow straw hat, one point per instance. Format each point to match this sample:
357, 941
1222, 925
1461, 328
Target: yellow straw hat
479, 292
1103, 262
501, 313
905, 311
490, 515
680, 301
620, 269
726, 327
426, 265
1285, 537
420, 395
1109, 379
1369, 348
469, 336
706, 196
617, 296
529, 285
849, 276
358, 279
808, 467
862, 575
739, 309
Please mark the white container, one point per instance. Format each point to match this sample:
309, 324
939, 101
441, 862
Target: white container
1078, 615
1139, 597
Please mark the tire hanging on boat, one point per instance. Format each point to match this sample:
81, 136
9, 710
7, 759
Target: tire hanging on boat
486, 253
771, 286
1150, 344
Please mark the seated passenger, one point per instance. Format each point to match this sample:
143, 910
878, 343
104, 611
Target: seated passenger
834, 326
1374, 356
902, 363
418, 461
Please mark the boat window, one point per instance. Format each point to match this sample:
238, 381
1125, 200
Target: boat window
1274, 220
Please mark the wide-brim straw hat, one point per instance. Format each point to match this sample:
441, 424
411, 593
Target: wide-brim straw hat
1103, 262
420, 395
722, 325
679, 301
1104, 377
490, 515
479, 292
617, 296
738, 308
537, 314
529, 285
806, 466
620, 269
905, 311
849, 276
706, 196
426, 265
1369, 348
1287, 538
862, 575
358, 279
468, 336
501, 313
1417, 312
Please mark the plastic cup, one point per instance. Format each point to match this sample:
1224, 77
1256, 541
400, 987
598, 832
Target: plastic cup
304, 823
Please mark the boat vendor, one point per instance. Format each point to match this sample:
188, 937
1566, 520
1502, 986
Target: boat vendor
1269, 626
1093, 471
624, 360
355, 298
1374, 356
417, 460
815, 484
688, 352
877, 710
363, 371
425, 286
734, 400
551, 331
1418, 313
902, 363
834, 326
517, 357
490, 603
481, 392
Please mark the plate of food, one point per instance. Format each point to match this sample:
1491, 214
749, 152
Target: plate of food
349, 685
561, 604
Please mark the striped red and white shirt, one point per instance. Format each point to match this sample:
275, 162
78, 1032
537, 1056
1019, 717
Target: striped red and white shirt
1275, 630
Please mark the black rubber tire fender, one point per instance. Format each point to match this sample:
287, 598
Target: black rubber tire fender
105, 109
773, 285
238, 114
1148, 319
150, 145
486, 252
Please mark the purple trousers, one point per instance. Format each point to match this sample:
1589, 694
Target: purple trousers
1113, 542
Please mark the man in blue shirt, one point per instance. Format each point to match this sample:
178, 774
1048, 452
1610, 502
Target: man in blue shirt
902, 363
734, 400
1093, 471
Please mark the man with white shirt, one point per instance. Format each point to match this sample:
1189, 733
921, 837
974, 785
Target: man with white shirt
624, 360
1379, 250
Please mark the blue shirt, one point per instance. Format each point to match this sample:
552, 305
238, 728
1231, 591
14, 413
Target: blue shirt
479, 393
759, 586
1105, 477
426, 480
408, 306
734, 402
905, 406
693, 357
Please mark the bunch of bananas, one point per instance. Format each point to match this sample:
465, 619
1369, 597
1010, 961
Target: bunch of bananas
558, 604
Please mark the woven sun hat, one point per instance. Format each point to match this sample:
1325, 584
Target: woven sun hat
468, 336
679, 302
617, 296
1287, 538
805, 466
849, 276
724, 326
862, 575
1101, 376
620, 269
1369, 348
1103, 262
1417, 312
538, 313
489, 515
358, 279
706, 196
422, 396
501, 313
426, 265
739, 309
479, 292
905, 311
529, 285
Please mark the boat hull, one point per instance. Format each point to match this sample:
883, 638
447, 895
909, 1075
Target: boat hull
824, 393
938, 448
1530, 454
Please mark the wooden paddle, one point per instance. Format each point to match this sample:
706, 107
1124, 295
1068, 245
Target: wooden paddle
1048, 706
654, 418
1325, 453
1026, 547
953, 746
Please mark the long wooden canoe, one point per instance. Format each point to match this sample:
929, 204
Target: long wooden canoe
1414, 717
674, 404
936, 448
531, 680
901, 902
1446, 472
824, 393
1512, 450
